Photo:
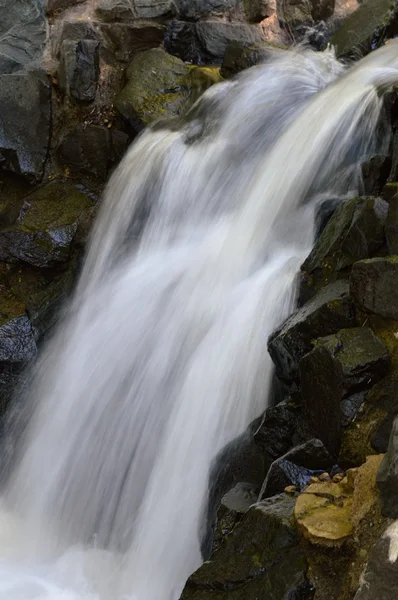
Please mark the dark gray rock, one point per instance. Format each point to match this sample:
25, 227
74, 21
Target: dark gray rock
197, 9
115, 10
380, 579
22, 34
93, 150
381, 437
79, 69
125, 40
387, 477
391, 226
330, 310
295, 14
214, 37
373, 286
75, 30
25, 114
340, 365
47, 224
152, 9
257, 10
240, 56
375, 173
181, 41
260, 558
53, 5
297, 467
321, 10
350, 407
275, 436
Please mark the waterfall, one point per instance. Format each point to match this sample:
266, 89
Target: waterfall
161, 359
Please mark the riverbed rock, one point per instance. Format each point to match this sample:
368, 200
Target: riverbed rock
240, 56
197, 9
363, 28
79, 69
391, 226
214, 37
46, 226
275, 435
295, 14
387, 477
296, 468
260, 558
330, 310
373, 286
340, 365
160, 86
355, 231
93, 150
181, 41
125, 40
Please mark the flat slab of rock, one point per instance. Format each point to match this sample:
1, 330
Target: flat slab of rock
328, 312
373, 286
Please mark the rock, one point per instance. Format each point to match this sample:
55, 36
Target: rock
390, 191
295, 13
125, 40
22, 34
387, 477
25, 113
296, 468
322, 9
375, 173
160, 86
260, 558
93, 150
391, 226
53, 5
240, 56
380, 579
362, 28
17, 344
47, 224
340, 365
257, 10
373, 286
151, 9
275, 436
330, 310
328, 513
214, 37
115, 10
181, 41
79, 69
350, 407
197, 9
355, 231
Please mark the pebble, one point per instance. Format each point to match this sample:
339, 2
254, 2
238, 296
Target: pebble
338, 477
314, 480
324, 477
290, 489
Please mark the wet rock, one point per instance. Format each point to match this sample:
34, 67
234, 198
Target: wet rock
79, 69
53, 5
214, 37
257, 10
362, 28
330, 310
390, 191
240, 56
260, 558
387, 477
115, 10
125, 40
340, 365
275, 436
295, 14
181, 41
322, 9
17, 344
355, 231
296, 468
22, 34
380, 579
350, 407
151, 9
46, 226
391, 226
25, 113
93, 150
373, 286
328, 513
160, 86
196, 9
375, 173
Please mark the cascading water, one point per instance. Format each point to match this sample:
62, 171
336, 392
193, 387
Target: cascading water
161, 360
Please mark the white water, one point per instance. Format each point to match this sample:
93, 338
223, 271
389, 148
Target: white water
162, 358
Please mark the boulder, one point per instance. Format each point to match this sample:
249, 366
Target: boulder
53, 5
373, 286
214, 37
363, 28
25, 116
22, 34
260, 558
391, 226
387, 477
93, 150
181, 41
296, 468
330, 310
125, 40
160, 86
79, 69
46, 226
257, 10
275, 435
197, 9
152, 9
115, 10
339, 365
380, 579
240, 56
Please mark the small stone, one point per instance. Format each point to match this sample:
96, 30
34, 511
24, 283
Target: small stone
324, 477
338, 477
314, 480
290, 489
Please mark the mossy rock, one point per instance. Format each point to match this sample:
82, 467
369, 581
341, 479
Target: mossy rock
239, 56
161, 86
363, 29
46, 225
